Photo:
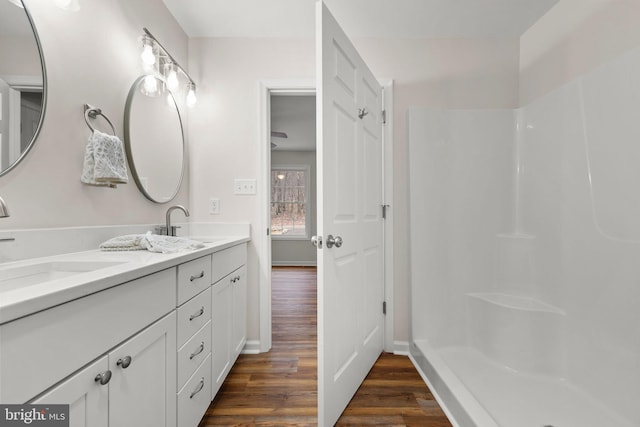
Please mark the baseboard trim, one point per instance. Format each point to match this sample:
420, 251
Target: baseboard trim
401, 348
294, 263
251, 347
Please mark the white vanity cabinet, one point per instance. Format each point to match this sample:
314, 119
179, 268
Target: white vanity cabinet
132, 386
149, 352
88, 399
229, 311
193, 390
44, 348
141, 390
221, 332
239, 304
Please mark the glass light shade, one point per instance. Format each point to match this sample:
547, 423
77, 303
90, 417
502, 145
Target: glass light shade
148, 56
191, 95
151, 86
171, 77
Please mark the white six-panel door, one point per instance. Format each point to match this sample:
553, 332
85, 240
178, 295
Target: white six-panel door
350, 277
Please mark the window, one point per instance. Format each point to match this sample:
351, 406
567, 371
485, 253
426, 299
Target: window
290, 202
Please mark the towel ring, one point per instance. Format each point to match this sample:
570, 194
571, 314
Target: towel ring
93, 112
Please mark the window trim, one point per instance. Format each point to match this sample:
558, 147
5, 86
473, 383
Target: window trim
306, 168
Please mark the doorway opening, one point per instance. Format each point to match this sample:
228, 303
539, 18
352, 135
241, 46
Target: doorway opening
268, 90
293, 179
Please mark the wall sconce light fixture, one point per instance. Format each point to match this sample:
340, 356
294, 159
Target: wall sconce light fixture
157, 61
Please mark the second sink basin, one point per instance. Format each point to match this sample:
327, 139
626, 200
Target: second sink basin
33, 274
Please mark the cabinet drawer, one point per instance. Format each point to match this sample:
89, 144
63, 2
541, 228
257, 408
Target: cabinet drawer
39, 350
195, 396
193, 278
191, 355
193, 315
228, 260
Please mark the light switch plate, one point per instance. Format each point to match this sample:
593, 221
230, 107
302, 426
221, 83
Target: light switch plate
244, 186
214, 206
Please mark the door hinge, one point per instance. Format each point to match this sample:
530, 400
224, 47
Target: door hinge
268, 231
384, 117
384, 211
384, 307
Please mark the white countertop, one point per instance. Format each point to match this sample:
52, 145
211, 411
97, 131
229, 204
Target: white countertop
22, 301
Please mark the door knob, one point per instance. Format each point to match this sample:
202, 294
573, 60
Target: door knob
334, 241
124, 362
317, 241
103, 377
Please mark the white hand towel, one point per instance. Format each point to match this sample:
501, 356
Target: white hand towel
169, 244
151, 243
104, 161
129, 242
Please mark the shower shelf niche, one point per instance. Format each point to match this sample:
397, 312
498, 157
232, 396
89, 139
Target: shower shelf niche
521, 333
516, 302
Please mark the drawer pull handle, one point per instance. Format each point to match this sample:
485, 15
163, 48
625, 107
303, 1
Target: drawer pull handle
198, 389
192, 278
196, 315
124, 362
103, 377
198, 351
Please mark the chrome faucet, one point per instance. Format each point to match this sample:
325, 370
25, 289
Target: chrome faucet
4, 213
171, 229
4, 210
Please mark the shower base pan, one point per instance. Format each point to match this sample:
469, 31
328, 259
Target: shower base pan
476, 392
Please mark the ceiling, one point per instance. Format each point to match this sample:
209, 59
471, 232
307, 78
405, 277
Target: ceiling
359, 18
296, 116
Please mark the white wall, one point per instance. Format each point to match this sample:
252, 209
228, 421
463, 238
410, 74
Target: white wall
92, 56
224, 131
574, 37
224, 134
290, 251
23, 52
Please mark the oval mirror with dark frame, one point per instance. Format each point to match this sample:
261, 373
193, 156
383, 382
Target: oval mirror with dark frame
22, 84
154, 141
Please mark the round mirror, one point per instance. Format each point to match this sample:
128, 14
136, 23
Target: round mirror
154, 140
22, 84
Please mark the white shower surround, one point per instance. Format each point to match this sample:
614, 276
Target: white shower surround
524, 255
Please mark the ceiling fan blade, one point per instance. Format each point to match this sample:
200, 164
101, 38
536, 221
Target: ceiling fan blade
279, 134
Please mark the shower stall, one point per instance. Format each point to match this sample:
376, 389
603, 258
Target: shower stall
525, 255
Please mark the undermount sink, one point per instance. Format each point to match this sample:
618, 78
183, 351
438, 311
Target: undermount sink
33, 274
206, 239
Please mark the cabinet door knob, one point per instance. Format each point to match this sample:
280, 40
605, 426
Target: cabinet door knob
196, 315
198, 389
103, 377
200, 276
124, 362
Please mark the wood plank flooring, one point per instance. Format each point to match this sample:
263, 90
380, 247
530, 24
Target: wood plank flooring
279, 388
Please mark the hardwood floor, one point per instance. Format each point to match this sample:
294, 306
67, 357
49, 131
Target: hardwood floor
279, 388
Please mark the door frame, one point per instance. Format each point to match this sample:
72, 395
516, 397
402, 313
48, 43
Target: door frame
308, 87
